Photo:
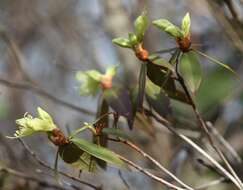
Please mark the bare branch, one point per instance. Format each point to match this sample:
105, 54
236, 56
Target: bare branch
152, 176
145, 155
195, 146
222, 140
203, 126
210, 184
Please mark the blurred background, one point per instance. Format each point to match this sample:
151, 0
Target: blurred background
43, 43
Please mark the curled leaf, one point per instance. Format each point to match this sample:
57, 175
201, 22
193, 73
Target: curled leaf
90, 82
133, 39
29, 125
186, 24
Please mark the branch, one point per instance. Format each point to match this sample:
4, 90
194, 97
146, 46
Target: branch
195, 146
203, 125
152, 176
211, 184
41, 92
44, 164
145, 155
226, 144
31, 178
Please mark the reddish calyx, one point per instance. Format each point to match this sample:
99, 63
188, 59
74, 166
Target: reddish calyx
106, 82
141, 53
184, 43
99, 127
58, 138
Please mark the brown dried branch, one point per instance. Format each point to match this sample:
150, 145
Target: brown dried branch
152, 176
145, 155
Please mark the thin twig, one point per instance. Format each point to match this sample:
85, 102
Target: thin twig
210, 184
152, 176
41, 92
44, 164
226, 144
195, 146
145, 155
123, 179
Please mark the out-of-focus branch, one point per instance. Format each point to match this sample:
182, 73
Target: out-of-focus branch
203, 126
44, 164
226, 145
123, 179
211, 184
234, 35
15, 51
31, 178
195, 146
41, 92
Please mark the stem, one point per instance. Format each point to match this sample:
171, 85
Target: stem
203, 125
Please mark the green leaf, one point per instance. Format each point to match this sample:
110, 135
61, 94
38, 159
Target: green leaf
133, 39
122, 42
217, 62
96, 75
72, 154
168, 27
158, 101
186, 24
86, 162
161, 62
44, 115
141, 24
190, 70
216, 87
99, 152
111, 71
90, 82
157, 73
